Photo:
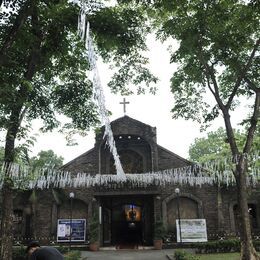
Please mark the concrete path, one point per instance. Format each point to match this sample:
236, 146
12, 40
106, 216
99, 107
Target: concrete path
127, 254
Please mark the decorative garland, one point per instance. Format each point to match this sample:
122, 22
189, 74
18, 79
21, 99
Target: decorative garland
218, 172
84, 33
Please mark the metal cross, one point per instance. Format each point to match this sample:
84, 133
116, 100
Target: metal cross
124, 103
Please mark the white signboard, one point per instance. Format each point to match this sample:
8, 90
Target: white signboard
61, 230
191, 230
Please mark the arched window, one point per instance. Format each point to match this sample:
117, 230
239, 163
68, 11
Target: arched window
132, 162
188, 210
252, 215
17, 222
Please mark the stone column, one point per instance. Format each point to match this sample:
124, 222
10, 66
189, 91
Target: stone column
54, 217
221, 227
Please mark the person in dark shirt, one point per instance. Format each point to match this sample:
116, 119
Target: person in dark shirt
35, 252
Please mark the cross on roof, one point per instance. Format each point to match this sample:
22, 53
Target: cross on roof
124, 103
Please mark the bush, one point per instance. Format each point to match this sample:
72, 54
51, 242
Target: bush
62, 249
94, 229
19, 253
72, 255
257, 245
184, 255
221, 246
159, 230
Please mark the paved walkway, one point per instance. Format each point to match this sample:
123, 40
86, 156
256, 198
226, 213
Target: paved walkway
127, 254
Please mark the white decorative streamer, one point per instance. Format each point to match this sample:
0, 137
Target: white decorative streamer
84, 33
210, 173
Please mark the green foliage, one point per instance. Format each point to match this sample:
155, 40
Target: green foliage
72, 255
19, 253
94, 228
2, 152
62, 249
220, 246
212, 147
49, 62
184, 255
216, 40
223, 256
120, 34
21, 151
159, 230
46, 159
215, 145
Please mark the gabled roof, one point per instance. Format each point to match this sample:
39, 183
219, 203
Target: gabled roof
128, 118
75, 159
131, 121
175, 155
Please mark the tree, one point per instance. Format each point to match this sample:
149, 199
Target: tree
43, 71
46, 159
2, 152
209, 148
216, 147
218, 55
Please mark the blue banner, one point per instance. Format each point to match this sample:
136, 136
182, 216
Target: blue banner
73, 230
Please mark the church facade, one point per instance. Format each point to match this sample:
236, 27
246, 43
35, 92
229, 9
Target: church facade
128, 214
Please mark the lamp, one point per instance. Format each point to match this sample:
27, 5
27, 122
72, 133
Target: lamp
177, 191
71, 195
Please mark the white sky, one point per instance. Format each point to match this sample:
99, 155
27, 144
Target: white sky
174, 135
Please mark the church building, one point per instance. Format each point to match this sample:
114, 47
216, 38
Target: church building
128, 214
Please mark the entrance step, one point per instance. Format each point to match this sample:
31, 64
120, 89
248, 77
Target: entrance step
107, 248
111, 248
127, 246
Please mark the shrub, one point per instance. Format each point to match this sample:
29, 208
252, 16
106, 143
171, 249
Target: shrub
94, 229
257, 245
159, 230
184, 255
19, 253
62, 249
72, 255
221, 246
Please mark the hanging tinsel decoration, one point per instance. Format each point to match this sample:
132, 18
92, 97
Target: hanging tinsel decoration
85, 34
219, 172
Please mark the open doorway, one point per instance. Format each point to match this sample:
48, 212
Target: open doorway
127, 221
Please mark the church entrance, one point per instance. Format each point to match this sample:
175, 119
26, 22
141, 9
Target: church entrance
127, 221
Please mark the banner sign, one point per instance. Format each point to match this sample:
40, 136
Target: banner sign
73, 230
192, 230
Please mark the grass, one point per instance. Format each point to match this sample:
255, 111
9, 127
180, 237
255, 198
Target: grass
224, 256
217, 256
72, 255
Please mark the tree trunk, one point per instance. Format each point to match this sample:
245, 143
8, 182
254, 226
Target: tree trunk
248, 251
221, 221
7, 191
7, 222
